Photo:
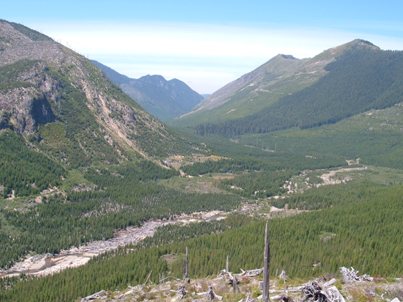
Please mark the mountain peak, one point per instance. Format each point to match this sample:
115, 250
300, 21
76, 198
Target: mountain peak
7, 29
352, 46
284, 57
160, 97
154, 77
360, 43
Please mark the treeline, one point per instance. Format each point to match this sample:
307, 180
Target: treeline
334, 237
24, 170
357, 81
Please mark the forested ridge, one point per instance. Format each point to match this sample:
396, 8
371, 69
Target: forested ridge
357, 81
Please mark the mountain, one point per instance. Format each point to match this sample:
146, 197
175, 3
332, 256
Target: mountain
58, 112
81, 162
336, 84
114, 76
254, 90
274, 69
79, 159
164, 99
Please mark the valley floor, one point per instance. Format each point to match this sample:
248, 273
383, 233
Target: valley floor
47, 264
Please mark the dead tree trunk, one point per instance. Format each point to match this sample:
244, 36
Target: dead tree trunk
233, 281
211, 295
266, 265
186, 265
227, 265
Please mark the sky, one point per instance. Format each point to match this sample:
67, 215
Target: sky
206, 43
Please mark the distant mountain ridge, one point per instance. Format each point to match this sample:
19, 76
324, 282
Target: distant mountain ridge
287, 92
275, 67
164, 99
255, 90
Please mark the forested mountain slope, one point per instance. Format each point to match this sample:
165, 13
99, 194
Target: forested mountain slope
356, 77
249, 93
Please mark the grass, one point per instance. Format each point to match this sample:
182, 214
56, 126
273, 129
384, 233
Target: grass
208, 183
381, 175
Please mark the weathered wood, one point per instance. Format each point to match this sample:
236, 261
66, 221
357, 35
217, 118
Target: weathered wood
251, 273
98, 295
334, 295
186, 265
266, 265
351, 275
233, 281
210, 294
148, 277
283, 276
316, 292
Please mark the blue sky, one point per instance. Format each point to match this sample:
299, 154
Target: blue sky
206, 43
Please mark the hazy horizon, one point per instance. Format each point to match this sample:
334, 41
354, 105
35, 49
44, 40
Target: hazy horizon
205, 44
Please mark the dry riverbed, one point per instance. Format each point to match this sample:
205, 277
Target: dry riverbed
46, 264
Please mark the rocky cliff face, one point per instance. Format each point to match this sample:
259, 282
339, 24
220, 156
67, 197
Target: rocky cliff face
44, 84
26, 95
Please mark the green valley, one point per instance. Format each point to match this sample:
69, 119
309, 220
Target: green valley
101, 201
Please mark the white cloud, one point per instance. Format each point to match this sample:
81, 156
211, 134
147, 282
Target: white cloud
204, 56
